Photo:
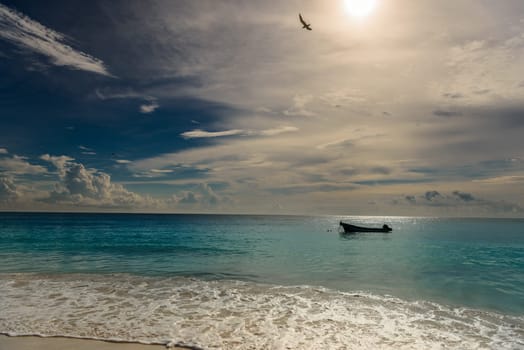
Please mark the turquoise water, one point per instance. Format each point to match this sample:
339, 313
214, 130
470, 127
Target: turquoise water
464, 268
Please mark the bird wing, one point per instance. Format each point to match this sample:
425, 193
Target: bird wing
301, 19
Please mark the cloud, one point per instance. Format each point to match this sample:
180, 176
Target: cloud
162, 171
187, 198
32, 36
299, 106
411, 199
459, 200
19, 166
507, 179
445, 113
149, 108
112, 94
380, 170
82, 187
482, 91
8, 190
203, 196
58, 161
276, 131
150, 103
122, 161
488, 63
431, 195
455, 95
3, 151
87, 151
198, 133
465, 197
208, 195
342, 143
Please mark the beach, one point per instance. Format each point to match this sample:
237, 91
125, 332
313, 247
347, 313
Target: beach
60, 343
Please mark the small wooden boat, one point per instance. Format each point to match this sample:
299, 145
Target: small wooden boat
348, 228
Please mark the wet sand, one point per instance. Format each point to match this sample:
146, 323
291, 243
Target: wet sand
58, 343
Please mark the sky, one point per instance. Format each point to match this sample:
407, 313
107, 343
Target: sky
415, 108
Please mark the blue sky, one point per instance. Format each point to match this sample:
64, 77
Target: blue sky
231, 107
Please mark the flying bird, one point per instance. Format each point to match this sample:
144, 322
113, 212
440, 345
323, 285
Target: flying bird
304, 24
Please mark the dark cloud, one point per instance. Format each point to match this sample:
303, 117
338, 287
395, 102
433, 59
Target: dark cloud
482, 92
463, 196
300, 189
424, 170
349, 172
507, 117
446, 113
431, 195
459, 199
410, 199
380, 170
453, 95
378, 182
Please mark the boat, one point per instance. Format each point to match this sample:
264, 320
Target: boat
348, 228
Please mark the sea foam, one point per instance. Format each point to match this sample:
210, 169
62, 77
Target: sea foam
240, 315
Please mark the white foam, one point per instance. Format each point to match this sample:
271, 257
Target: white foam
240, 315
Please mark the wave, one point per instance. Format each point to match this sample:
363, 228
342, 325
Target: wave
224, 314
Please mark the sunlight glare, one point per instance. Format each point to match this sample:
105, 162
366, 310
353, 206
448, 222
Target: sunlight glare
360, 8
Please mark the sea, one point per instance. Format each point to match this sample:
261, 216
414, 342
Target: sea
264, 282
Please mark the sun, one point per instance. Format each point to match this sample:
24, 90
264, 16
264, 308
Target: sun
360, 8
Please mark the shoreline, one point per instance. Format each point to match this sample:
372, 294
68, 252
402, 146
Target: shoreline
32, 342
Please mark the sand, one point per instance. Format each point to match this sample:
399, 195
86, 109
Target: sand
39, 343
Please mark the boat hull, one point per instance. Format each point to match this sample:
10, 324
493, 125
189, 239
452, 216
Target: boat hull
348, 228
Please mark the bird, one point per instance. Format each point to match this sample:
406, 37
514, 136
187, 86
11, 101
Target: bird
304, 24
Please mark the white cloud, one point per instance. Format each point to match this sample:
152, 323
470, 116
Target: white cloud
197, 133
299, 106
506, 179
279, 130
149, 108
19, 166
8, 190
58, 161
30, 35
340, 142
162, 171
186, 198
150, 103
3, 151
84, 187
203, 196
122, 161
112, 94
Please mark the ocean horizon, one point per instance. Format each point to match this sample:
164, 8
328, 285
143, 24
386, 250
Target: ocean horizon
264, 281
